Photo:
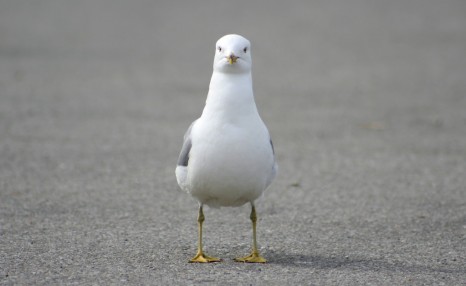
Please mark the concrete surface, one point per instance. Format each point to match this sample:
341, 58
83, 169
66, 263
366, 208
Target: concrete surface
365, 100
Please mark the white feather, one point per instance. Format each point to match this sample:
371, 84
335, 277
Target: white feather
231, 160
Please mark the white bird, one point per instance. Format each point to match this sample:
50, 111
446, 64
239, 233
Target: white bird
227, 158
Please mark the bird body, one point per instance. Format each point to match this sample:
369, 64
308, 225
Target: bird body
227, 158
231, 161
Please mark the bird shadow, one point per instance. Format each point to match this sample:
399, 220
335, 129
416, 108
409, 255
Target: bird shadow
353, 263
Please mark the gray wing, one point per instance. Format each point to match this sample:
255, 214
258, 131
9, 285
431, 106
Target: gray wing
273, 173
183, 159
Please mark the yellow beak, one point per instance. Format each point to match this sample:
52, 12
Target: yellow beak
232, 58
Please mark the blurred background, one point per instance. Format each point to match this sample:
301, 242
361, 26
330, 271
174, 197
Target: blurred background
365, 101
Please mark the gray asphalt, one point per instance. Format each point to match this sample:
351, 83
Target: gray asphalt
365, 101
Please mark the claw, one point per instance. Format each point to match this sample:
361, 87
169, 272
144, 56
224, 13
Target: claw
202, 258
252, 258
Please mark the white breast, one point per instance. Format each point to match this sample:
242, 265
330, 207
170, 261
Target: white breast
229, 164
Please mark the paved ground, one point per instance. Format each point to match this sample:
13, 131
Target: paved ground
365, 100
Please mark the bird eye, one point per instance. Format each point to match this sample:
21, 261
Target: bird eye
219, 49
245, 49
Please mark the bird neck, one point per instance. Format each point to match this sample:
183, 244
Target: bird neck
230, 95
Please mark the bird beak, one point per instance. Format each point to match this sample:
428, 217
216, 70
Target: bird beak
232, 58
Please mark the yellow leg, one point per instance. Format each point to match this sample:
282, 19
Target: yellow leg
200, 256
254, 257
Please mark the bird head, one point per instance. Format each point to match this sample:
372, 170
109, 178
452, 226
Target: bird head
233, 54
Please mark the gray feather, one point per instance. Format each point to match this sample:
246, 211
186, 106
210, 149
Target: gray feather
183, 159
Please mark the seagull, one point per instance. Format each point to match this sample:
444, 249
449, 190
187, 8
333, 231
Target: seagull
227, 158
